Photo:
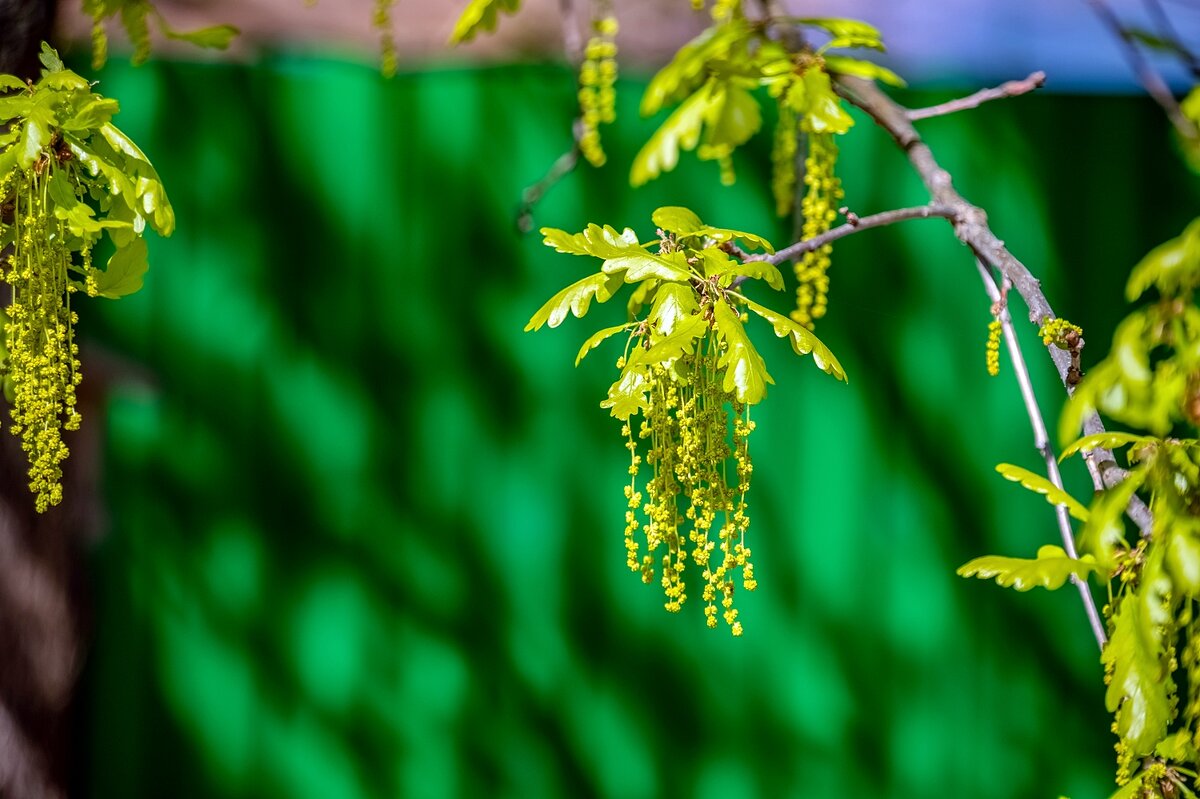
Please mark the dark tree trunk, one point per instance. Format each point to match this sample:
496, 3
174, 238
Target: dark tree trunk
24, 25
40, 555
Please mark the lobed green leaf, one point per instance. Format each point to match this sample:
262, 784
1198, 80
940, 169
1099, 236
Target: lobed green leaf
689, 67
627, 395
1050, 569
1040, 485
125, 271
673, 303
802, 339
1104, 531
1105, 440
1140, 690
746, 373
575, 298
597, 338
847, 30
480, 15
1173, 267
859, 68
681, 130
216, 37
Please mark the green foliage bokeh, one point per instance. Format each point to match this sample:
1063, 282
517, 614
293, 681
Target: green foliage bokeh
366, 533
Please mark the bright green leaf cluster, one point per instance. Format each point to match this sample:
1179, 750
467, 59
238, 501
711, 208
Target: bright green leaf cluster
688, 367
713, 78
68, 176
1152, 658
1151, 377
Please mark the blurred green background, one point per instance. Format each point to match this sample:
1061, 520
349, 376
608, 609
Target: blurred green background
365, 533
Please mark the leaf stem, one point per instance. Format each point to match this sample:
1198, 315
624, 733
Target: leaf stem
1041, 441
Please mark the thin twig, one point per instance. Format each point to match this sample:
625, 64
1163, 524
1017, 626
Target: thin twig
1146, 75
1171, 36
1013, 88
1041, 441
971, 227
562, 166
571, 31
565, 163
853, 226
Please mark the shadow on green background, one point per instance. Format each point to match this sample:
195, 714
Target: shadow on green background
366, 533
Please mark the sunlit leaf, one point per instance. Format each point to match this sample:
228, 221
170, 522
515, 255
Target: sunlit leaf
745, 371
34, 137
627, 395
681, 341
719, 264
575, 299
50, 60
11, 83
862, 69
216, 37
1104, 531
1105, 440
1173, 268
92, 114
678, 220
673, 303
689, 68
597, 338
823, 112
480, 15
1140, 688
602, 242
847, 30
1040, 485
681, 130
731, 117
802, 339
1050, 569
125, 272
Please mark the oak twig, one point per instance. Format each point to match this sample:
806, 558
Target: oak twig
971, 227
1013, 88
565, 164
1151, 81
562, 166
1041, 440
855, 224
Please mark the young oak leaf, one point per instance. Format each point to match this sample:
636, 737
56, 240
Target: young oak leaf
673, 303
1050, 569
1040, 485
745, 371
859, 68
1104, 531
691, 65
681, 130
598, 338
621, 253
1140, 689
718, 264
685, 223
802, 340
575, 298
1105, 440
481, 15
